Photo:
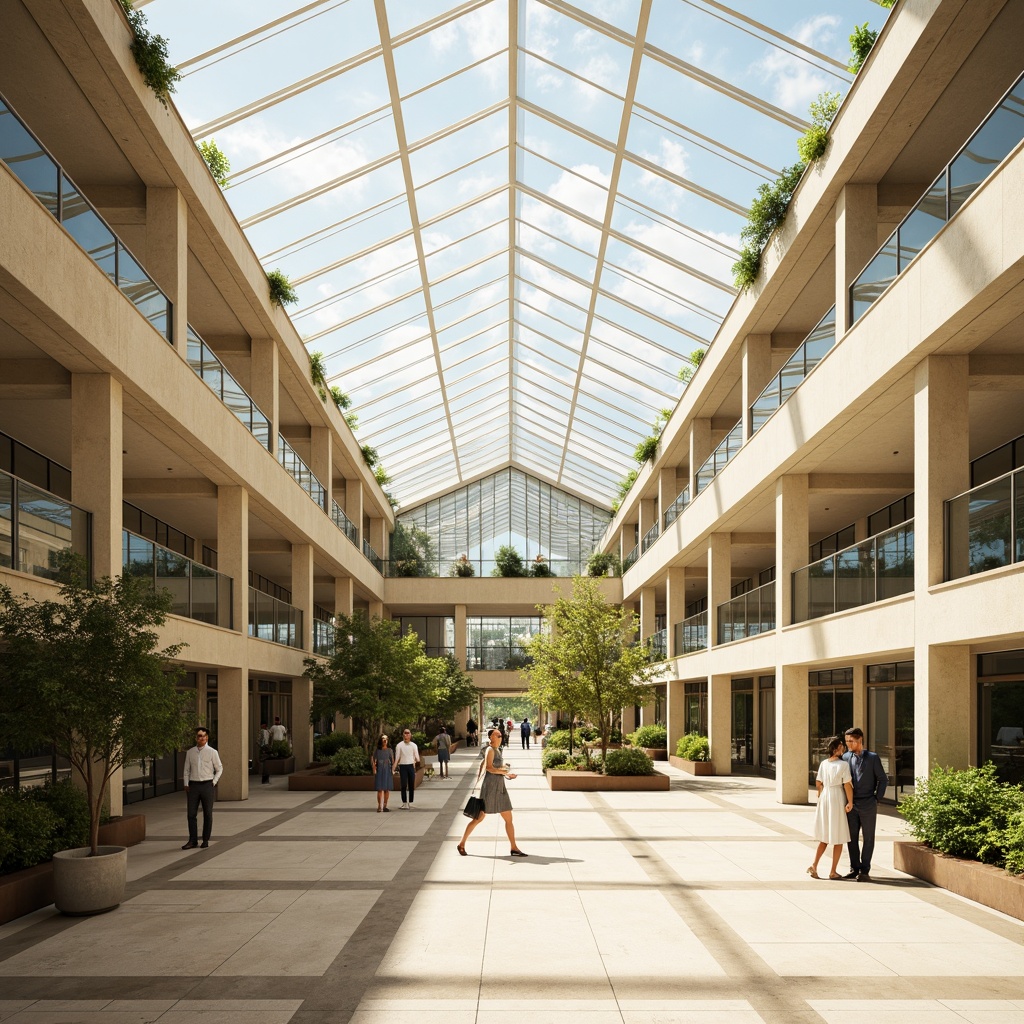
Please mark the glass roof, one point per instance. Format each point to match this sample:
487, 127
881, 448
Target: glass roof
508, 221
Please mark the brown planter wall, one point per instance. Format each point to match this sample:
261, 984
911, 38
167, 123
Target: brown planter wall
983, 883
591, 782
317, 780
278, 765
693, 767
656, 753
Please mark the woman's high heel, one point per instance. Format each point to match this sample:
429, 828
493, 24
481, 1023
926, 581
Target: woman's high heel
517, 853
812, 872
462, 850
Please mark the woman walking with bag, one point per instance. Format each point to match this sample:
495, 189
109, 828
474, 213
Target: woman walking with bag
494, 795
384, 769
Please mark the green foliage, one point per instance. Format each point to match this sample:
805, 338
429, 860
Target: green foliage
419, 738
553, 757
693, 747
463, 567
1013, 841
381, 475
508, 562
861, 40
282, 293
627, 761
342, 402
350, 761
70, 808
767, 212
689, 368
374, 675
647, 449
600, 562
279, 749
370, 456
26, 832
216, 161
325, 746
586, 661
812, 144
885, 3
449, 689
747, 267
650, 736
558, 739
504, 708
412, 552
84, 673
150, 53
541, 567
966, 813
623, 487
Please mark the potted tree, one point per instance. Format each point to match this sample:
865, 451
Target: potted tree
84, 674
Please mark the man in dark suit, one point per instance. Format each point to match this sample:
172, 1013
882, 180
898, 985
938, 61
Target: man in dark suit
869, 782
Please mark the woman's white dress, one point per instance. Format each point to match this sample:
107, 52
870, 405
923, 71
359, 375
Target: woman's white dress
830, 824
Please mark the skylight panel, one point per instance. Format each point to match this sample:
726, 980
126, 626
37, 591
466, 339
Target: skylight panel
464, 222
462, 252
463, 185
553, 281
549, 86
560, 223
491, 274
455, 99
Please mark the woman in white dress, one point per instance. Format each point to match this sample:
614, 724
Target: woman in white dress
830, 826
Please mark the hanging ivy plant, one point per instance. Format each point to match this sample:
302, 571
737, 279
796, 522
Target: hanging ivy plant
281, 291
218, 163
370, 456
150, 53
689, 368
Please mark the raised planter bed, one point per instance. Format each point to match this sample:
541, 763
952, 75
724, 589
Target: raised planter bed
656, 753
983, 883
317, 780
693, 767
278, 765
21, 892
594, 782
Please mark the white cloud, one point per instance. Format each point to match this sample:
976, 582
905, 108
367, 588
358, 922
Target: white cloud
793, 81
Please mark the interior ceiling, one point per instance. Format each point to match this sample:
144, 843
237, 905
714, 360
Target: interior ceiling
507, 221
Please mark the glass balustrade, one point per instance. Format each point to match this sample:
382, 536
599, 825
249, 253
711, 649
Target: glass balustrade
811, 351
211, 370
496, 657
323, 637
456, 567
872, 570
691, 634
657, 644
631, 558
985, 527
197, 591
343, 523
375, 560
749, 614
29, 161
274, 620
36, 526
300, 472
675, 510
999, 134
649, 537
720, 457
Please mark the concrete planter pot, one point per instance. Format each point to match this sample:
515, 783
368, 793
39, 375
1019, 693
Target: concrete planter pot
983, 883
278, 765
693, 767
84, 885
656, 753
593, 782
317, 780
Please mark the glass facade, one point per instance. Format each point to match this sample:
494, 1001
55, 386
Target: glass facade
437, 632
742, 736
747, 615
509, 508
985, 527
695, 708
1001, 713
890, 727
495, 642
831, 711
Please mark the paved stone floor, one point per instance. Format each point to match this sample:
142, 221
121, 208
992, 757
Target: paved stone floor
669, 908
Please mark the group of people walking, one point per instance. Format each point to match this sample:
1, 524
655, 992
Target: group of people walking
406, 758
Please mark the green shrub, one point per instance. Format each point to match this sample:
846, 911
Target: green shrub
812, 144
279, 749
150, 53
587, 732
747, 267
351, 761
647, 449
419, 738
1014, 843
508, 562
280, 288
553, 757
693, 747
861, 41
540, 567
651, 736
26, 832
615, 736
325, 746
559, 739
628, 761
216, 161
966, 813
600, 562
70, 809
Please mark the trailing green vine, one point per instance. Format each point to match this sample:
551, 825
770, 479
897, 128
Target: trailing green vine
218, 163
150, 53
281, 291
689, 368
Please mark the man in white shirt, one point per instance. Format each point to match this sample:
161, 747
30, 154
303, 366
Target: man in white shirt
201, 775
278, 733
407, 758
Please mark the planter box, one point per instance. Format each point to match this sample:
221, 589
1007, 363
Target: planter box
592, 782
693, 767
656, 753
317, 780
983, 883
278, 765
21, 892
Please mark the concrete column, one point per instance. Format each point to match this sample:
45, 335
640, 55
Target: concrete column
166, 256
648, 516
720, 722
942, 699
375, 610
263, 384
626, 539
378, 536
941, 459
700, 449
301, 727
233, 550
792, 728
647, 716
302, 589
354, 505
648, 596
757, 371
719, 579
675, 605
321, 460
344, 595
461, 718
675, 712
233, 732
860, 703
97, 432
460, 635
856, 243
791, 532
668, 491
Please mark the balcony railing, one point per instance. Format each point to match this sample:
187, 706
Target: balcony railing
811, 351
747, 615
323, 636
343, 523
273, 619
873, 570
985, 526
211, 370
28, 160
473, 567
720, 457
998, 135
649, 538
197, 591
691, 634
657, 644
375, 560
675, 510
35, 526
631, 558
496, 658
300, 472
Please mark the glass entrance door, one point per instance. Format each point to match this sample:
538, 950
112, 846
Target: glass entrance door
742, 730
831, 715
891, 736
766, 738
